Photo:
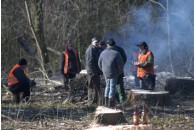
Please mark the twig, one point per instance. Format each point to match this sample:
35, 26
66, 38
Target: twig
4, 116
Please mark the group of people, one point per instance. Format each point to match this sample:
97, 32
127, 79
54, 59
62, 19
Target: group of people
102, 58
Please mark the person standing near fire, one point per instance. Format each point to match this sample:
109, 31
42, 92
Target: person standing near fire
120, 94
145, 66
70, 66
111, 63
93, 73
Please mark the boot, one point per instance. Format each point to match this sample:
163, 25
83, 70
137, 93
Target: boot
106, 102
111, 102
16, 98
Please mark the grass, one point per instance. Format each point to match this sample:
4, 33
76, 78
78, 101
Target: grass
47, 111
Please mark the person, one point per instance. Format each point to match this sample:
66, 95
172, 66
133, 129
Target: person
134, 56
145, 66
102, 46
70, 66
120, 94
111, 63
93, 73
19, 82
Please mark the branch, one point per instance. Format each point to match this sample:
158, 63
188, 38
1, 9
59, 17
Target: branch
54, 51
37, 43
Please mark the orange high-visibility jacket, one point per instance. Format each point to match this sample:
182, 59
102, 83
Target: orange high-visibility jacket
11, 78
67, 61
142, 71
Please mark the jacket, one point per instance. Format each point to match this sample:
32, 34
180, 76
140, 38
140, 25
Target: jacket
122, 53
146, 63
111, 63
70, 62
17, 75
92, 55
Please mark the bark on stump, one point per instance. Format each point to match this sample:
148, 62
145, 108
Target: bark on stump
108, 116
160, 98
180, 86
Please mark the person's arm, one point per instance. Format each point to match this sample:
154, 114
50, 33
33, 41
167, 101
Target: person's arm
124, 56
90, 59
120, 63
19, 74
79, 63
148, 62
100, 63
62, 62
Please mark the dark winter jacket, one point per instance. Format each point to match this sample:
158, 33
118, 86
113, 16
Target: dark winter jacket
22, 78
72, 65
122, 53
111, 63
92, 55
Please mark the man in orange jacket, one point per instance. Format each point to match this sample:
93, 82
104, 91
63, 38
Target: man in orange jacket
145, 66
18, 81
70, 66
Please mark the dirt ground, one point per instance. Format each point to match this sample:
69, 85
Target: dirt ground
49, 109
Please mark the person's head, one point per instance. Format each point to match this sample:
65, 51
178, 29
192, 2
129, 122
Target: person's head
143, 45
95, 41
103, 44
68, 46
23, 62
110, 42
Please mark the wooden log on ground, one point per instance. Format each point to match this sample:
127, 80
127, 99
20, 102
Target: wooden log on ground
108, 116
180, 85
148, 97
124, 127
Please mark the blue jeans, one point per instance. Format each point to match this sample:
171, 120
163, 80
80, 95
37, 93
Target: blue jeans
110, 88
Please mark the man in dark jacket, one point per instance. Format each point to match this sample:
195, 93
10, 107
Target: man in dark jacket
69, 67
120, 95
111, 63
93, 73
18, 81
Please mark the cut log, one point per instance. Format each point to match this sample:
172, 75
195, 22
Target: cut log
124, 127
149, 97
180, 85
108, 116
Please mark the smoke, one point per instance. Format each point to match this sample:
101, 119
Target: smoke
167, 31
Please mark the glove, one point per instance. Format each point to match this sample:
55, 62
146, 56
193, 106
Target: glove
33, 83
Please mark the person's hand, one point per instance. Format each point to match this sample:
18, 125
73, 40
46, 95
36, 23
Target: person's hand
136, 63
33, 83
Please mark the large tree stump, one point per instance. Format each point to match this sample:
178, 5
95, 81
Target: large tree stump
108, 116
124, 127
149, 97
179, 85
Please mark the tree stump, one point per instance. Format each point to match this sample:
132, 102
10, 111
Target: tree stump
148, 97
108, 116
180, 85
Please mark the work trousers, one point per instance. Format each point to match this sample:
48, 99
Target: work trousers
18, 88
94, 90
120, 95
68, 78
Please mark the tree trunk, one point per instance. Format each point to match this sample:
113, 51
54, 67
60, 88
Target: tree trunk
40, 33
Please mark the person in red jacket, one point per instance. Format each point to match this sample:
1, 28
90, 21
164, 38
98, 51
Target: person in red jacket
19, 82
145, 66
69, 66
